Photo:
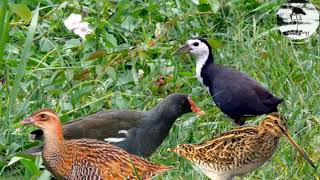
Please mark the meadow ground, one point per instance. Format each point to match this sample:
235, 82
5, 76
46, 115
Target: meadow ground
45, 65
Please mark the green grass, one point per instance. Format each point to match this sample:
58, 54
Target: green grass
59, 73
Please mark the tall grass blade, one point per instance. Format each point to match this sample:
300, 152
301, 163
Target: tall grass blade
4, 29
21, 68
4, 26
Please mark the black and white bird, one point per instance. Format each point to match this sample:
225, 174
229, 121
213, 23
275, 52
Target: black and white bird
139, 133
235, 93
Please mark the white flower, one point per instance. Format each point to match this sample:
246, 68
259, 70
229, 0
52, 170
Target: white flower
17, 131
82, 30
140, 73
158, 30
73, 21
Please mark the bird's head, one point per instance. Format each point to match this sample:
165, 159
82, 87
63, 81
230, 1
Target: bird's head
43, 119
198, 47
178, 103
183, 150
275, 123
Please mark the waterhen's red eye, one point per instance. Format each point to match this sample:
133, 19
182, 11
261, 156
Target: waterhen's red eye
43, 116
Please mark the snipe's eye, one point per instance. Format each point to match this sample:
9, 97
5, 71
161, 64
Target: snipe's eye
43, 116
196, 44
275, 121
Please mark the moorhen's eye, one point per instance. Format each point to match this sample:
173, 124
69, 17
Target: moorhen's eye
196, 44
43, 116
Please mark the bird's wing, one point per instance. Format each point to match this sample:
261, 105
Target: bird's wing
266, 97
101, 125
235, 89
115, 162
225, 149
230, 85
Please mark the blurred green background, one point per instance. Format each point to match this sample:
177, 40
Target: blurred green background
42, 64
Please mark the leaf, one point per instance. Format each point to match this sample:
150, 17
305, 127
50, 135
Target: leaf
22, 11
111, 41
46, 45
120, 102
66, 106
45, 175
264, 55
84, 74
215, 43
84, 90
112, 73
72, 43
30, 165
55, 91
130, 23
10, 48
134, 73
14, 160
204, 7
97, 54
69, 74
195, 2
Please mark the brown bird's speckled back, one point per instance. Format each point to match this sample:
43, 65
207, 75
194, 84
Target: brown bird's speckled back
87, 158
238, 151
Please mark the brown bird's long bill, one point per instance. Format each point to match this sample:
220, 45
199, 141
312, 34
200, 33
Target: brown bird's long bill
301, 151
183, 49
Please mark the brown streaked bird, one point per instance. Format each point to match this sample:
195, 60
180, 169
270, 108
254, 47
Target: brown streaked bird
86, 158
239, 151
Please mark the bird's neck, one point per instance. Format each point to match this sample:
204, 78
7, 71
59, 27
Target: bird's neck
269, 139
53, 138
203, 62
167, 113
188, 151
162, 118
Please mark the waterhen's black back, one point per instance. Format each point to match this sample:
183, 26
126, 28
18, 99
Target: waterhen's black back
238, 95
235, 93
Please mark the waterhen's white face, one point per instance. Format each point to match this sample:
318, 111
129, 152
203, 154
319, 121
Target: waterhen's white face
197, 48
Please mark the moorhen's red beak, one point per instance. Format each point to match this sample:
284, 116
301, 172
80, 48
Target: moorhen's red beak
195, 108
27, 121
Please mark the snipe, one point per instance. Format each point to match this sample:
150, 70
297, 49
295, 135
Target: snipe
240, 150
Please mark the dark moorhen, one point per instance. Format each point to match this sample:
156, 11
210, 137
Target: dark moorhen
235, 93
139, 133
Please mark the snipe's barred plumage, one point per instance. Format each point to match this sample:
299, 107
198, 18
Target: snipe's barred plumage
240, 150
